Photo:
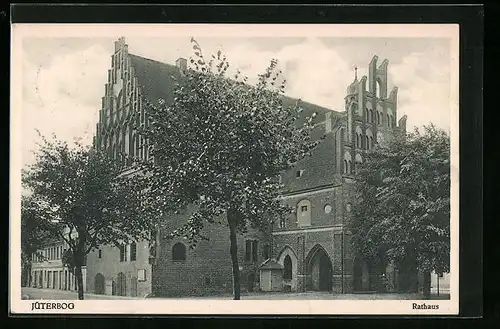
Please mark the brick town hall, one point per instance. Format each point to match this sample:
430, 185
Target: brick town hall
312, 247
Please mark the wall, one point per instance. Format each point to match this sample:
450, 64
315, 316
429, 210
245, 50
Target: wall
109, 266
207, 268
303, 243
319, 199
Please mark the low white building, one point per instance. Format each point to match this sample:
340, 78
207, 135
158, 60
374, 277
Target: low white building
48, 271
440, 283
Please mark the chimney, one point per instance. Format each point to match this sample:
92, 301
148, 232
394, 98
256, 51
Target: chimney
181, 64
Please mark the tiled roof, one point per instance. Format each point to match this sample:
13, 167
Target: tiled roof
157, 79
271, 264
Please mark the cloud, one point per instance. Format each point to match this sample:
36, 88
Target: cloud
424, 90
314, 72
63, 98
63, 95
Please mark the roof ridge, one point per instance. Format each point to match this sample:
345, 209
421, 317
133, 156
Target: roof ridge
152, 60
285, 96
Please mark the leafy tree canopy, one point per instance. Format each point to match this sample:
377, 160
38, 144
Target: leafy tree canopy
84, 198
222, 144
402, 207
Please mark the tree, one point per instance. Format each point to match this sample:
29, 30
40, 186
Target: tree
85, 198
402, 208
221, 146
33, 235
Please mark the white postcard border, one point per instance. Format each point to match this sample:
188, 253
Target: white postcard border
213, 307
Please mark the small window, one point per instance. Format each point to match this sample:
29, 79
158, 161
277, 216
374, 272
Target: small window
123, 256
141, 275
251, 250
441, 275
133, 251
265, 251
303, 208
299, 173
179, 252
207, 281
248, 250
282, 223
100, 253
255, 250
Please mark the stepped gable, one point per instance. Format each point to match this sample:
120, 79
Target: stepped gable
157, 79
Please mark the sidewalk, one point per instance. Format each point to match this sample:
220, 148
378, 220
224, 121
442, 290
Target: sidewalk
55, 294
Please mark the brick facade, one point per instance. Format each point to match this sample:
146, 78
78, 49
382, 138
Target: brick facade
313, 240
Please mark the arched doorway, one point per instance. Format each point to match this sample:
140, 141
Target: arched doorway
319, 270
99, 286
287, 264
288, 259
121, 285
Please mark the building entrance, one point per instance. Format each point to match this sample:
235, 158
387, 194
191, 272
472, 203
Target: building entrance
320, 270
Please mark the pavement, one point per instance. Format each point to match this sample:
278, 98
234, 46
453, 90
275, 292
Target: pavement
54, 294
316, 295
49, 294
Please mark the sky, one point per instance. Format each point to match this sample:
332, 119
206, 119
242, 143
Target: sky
63, 78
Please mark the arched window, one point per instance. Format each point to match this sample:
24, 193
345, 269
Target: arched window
179, 252
378, 117
357, 140
377, 89
359, 159
345, 166
371, 116
287, 264
349, 166
133, 251
371, 142
366, 142
304, 213
368, 139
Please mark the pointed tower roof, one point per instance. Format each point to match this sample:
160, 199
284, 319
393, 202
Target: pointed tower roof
353, 87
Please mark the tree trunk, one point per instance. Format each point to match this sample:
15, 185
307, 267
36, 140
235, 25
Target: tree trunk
426, 289
28, 276
78, 259
232, 220
79, 281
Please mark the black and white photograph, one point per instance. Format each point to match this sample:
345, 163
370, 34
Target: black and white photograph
246, 169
